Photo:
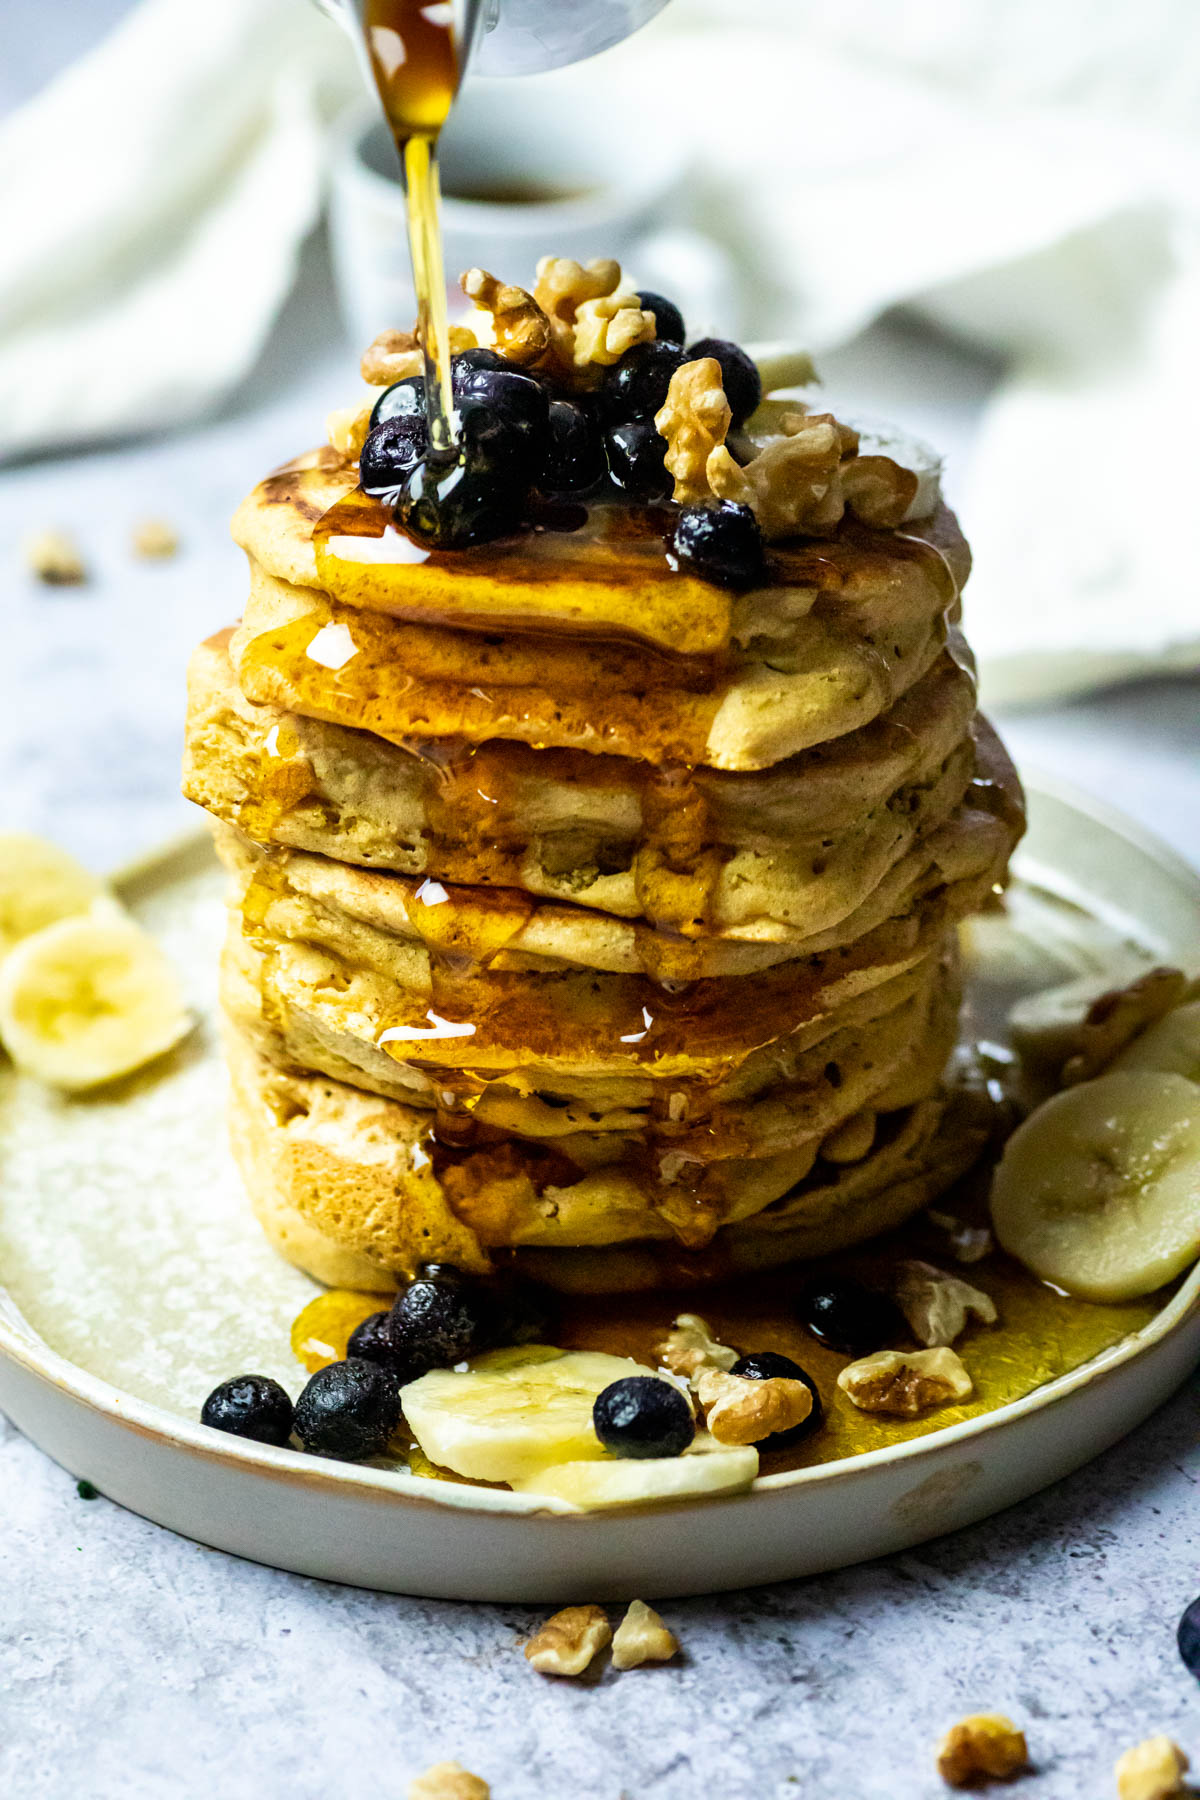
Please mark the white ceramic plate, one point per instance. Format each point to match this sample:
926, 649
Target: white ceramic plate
134, 1280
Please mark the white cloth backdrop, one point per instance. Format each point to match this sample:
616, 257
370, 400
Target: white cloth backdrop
1023, 173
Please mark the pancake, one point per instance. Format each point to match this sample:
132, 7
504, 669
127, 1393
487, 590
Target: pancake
826, 658
331, 1177
775, 856
893, 1041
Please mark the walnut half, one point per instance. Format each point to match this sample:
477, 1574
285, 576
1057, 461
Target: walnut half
1153, 1770
690, 1348
568, 1642
939, 1306
983, 1747
905, 1382
740, 1410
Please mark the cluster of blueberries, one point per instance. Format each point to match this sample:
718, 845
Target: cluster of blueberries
521, 435
350, 1409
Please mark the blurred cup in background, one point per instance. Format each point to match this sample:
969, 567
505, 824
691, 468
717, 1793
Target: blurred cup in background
541, 166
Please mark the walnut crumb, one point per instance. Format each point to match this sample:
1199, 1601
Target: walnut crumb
690, 1348
390, 357
569, 1641
983, 1747
155, 539
448, 1781
1153, 1770
905, 1382
1114, 1019
939, 1306
740, 1410
641, 1637
53, 557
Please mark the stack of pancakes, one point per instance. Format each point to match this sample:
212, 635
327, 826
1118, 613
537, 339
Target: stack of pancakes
587, 917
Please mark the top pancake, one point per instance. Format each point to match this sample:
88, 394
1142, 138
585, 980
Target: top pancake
857, 620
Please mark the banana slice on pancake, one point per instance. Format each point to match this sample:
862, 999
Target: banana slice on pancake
39, 884
89, 999
1098, 1191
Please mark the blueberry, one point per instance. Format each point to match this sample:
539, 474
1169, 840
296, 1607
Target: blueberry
769, 1365
574, 459
468, 502
512, 401
375, 1341
391, 452
637, 386
250, 1406
404, 399
849, 1317
348, 1410
721, 544
635, 458
479, 358
444, 1317
643, 1415
668, 320
739, 376
1188, 1639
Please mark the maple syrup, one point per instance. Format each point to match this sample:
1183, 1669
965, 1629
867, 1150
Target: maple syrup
416, 67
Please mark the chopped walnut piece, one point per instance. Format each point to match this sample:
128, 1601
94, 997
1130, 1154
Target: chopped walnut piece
1117, 1017
690, 1348
521, 329
448, 1781
155, 539
567, 1643
939, 1306
794, 483
905, 1382
694, 419
877, 490
1153, 1770
606, 328
740, 1410
54, 559
641, 1637
983, 1747
852, 1139
347, 430
390, 357
966, 1243
563, 286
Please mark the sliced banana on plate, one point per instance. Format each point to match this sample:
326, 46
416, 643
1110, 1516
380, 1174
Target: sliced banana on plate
706, 1467
1098, 1191
502, 1420
89, 999
1172, 1046
39, 884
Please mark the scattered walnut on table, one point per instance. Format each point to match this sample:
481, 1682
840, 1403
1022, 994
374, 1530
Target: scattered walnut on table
568, 1642
740, 1410
53, 557
983, 1747
694, 419
905, 1382
1114, 1019
939, 1306
1153, 1770
690, 1348
448, 1781
641, 1637
155, 539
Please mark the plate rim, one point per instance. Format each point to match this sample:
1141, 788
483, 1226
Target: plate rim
392, 1486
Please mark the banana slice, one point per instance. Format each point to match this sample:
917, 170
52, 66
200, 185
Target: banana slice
39, 884
705, 1468
1099, 1190
1172, 1046
1045, 1026
505, 1421
88, 999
